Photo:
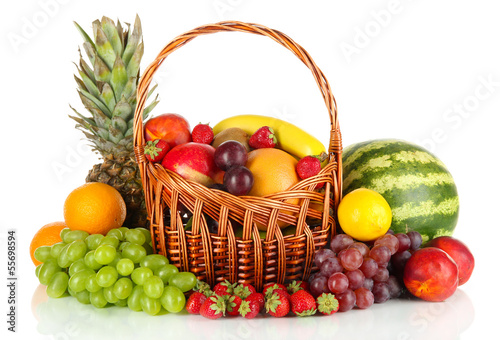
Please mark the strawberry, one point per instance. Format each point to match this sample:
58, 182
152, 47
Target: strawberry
263, 138
309, 166
257, 297
233, 304
194, 302
202, 133
303, 303
249, 308
278, 303
214, 307
294, 286
327, 303
243, 290
270, 287
156, 149
224, 288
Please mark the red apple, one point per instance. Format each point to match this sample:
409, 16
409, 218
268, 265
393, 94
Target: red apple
171, 127
431, 274
459, 252
193, 161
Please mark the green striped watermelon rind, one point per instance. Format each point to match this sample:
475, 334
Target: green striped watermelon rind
432, 212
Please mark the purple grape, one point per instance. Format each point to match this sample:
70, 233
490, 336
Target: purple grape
238, 180
381, 292
398, 260
230, 153
390, 241
331, 265
356, 279
362, 247
351, 258
364, 298
395, 287
368, 284
340, 241
404, 242
347, 300
369, 267
322, 255
381, 255
415, 238
382, 275
318, 286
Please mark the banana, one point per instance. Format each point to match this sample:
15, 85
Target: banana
291, 138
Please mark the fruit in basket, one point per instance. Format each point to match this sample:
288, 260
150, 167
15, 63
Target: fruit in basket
95, 208
232, 133
309, 166
193, 161
230, 153
45, 237
364, 214
264, 137
273, 172
155, 150
238, 180
171, 127
431, 274
417, 185
202, 133
459, 252
107, 89
291, 138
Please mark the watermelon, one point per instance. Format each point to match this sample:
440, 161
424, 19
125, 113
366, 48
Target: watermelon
417, 185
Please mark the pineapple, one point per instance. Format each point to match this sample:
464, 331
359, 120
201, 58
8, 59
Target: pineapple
107, 88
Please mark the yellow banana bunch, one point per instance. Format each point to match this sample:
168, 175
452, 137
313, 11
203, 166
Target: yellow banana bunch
291, 138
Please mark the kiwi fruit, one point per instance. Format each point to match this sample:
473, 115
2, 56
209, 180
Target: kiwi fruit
233, 133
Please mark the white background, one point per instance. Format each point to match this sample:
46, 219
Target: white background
414, 70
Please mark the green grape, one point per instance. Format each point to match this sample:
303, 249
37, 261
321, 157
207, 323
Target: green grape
154, 261
123, 245
83, 297
109, 295
135, 236
42, 253
90, 261
149, 305
57, 285
146, 232
77, 282
173, 299
148, 248
105, 254
185, 281
123, 288
125, 267
76, 250
77, 266
91, 284
116, 233
93, 241
153, 287
107, 276
110, 240
134, 252
64, 232
98, 300
139, 275
47, 270
74, 235
55, 249
63, 260
117, 258
37, 270
123, 230
70, 291
121, 303
164, 272
134, 299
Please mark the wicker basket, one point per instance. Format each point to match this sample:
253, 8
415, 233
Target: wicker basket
216, 256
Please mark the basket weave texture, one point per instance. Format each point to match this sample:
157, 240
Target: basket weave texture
216, 256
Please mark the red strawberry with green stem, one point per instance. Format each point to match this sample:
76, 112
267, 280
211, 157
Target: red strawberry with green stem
224, 288
309, 166
244, 289
202, 133
194, 302
303, 303
263, 138
155, 150
270, 287
214, 307
327, 303
258, 298
233, 304
278, 303
249, 309
294, 286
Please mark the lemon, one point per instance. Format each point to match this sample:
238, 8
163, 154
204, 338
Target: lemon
364, 214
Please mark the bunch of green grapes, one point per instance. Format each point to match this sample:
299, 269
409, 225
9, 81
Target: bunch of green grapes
117, 269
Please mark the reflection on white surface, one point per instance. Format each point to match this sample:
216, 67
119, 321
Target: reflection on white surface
66, 318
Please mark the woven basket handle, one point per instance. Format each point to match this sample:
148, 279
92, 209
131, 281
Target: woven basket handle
335, 146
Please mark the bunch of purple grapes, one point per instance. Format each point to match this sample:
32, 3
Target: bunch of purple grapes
231, 157
360, 274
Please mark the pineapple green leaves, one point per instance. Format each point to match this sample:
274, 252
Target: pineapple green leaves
107, 84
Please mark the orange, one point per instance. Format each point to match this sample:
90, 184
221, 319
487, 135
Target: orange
273, 172
95, 208
46, 236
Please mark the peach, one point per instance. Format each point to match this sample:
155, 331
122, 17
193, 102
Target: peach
171, 127
431, 274
459, 252
193, 161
